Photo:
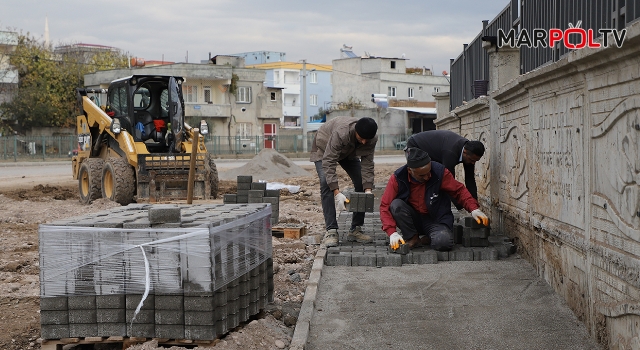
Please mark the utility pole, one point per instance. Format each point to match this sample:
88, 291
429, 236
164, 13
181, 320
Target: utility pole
304, 106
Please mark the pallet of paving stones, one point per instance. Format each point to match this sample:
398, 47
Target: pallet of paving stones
155, 271
255, 192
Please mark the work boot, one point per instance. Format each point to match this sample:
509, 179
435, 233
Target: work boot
330, 238
356, 235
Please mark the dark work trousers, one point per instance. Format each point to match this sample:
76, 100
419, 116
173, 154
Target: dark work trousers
412, 223
352, 167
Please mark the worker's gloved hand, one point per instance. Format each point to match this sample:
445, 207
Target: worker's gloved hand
394, 240
339, 200
480, 217
368, 190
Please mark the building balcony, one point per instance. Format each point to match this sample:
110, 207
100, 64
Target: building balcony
207, 110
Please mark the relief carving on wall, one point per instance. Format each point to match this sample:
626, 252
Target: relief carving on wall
513, 172
616, 159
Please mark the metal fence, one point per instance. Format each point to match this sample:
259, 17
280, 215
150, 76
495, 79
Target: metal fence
472, 65
20, 148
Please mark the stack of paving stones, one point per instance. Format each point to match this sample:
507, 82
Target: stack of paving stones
255, 192
217, 274
378, 254
361, 202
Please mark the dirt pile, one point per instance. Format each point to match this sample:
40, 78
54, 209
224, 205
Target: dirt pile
267, 165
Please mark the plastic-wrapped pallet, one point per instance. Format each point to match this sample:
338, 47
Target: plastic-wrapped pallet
116, 273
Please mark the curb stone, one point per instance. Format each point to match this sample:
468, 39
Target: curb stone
301, 332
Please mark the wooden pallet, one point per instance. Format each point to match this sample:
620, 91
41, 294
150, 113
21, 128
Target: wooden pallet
58, 344
294, 231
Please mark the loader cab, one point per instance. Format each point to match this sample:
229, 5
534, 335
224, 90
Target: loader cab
142, 103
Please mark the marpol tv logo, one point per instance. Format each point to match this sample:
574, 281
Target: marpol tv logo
571, 38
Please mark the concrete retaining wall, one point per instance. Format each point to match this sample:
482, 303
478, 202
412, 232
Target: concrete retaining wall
562, 176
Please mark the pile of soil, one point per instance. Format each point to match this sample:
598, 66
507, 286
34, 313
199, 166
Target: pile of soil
268, 165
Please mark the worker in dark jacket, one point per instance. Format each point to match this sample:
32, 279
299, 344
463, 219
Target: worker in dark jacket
449, 149
349, 142
414, 203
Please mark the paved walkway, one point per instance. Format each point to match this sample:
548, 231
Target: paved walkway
488, 304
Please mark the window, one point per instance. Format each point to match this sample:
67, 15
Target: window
436, 89
393, 64
244, 130
273, 96
313, 100
244, 94
314, 77
392, 91
118, 100
410, 92
207, 94
190, 93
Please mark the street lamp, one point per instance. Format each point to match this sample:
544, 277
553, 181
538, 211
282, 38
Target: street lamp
304, 105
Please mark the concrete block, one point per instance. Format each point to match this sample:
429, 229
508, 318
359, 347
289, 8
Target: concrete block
482, 232
199, 318
116, 301
366, 259
132, 301
82, 316
164, 213
171, 317
403, 249
443, 256
272, 193
387, 259
243, 314
457, 233
170, 331
242, 198
83, 330
488, 253
112, 329
245, 178
49, 317
199, 332
461, 254
229, 198
274, 201
407, 258
233, 320
470, 222
221, 327
369, 202
256, 194
169, 302
244, 186
54, 304
262, 186
143, 330
143, 316
254, 200
243, 192
54, 331
199, 303
82, 302
339, 259
362, 203
425, 257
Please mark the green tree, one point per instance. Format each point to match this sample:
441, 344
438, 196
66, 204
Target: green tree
46, 89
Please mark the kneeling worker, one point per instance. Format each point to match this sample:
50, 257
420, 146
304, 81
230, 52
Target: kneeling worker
417, 202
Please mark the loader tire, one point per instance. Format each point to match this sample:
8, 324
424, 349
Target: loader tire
118, 181
213, 178
89, 180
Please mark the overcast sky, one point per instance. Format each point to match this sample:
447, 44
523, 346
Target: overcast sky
428, 32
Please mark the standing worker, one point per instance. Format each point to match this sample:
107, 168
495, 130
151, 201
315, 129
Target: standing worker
449, 149
349, 142
414, 203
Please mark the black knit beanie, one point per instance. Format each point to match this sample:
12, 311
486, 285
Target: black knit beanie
416, 158
366, 127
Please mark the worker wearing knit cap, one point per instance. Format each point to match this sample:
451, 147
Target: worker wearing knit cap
349, 142
416, 202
